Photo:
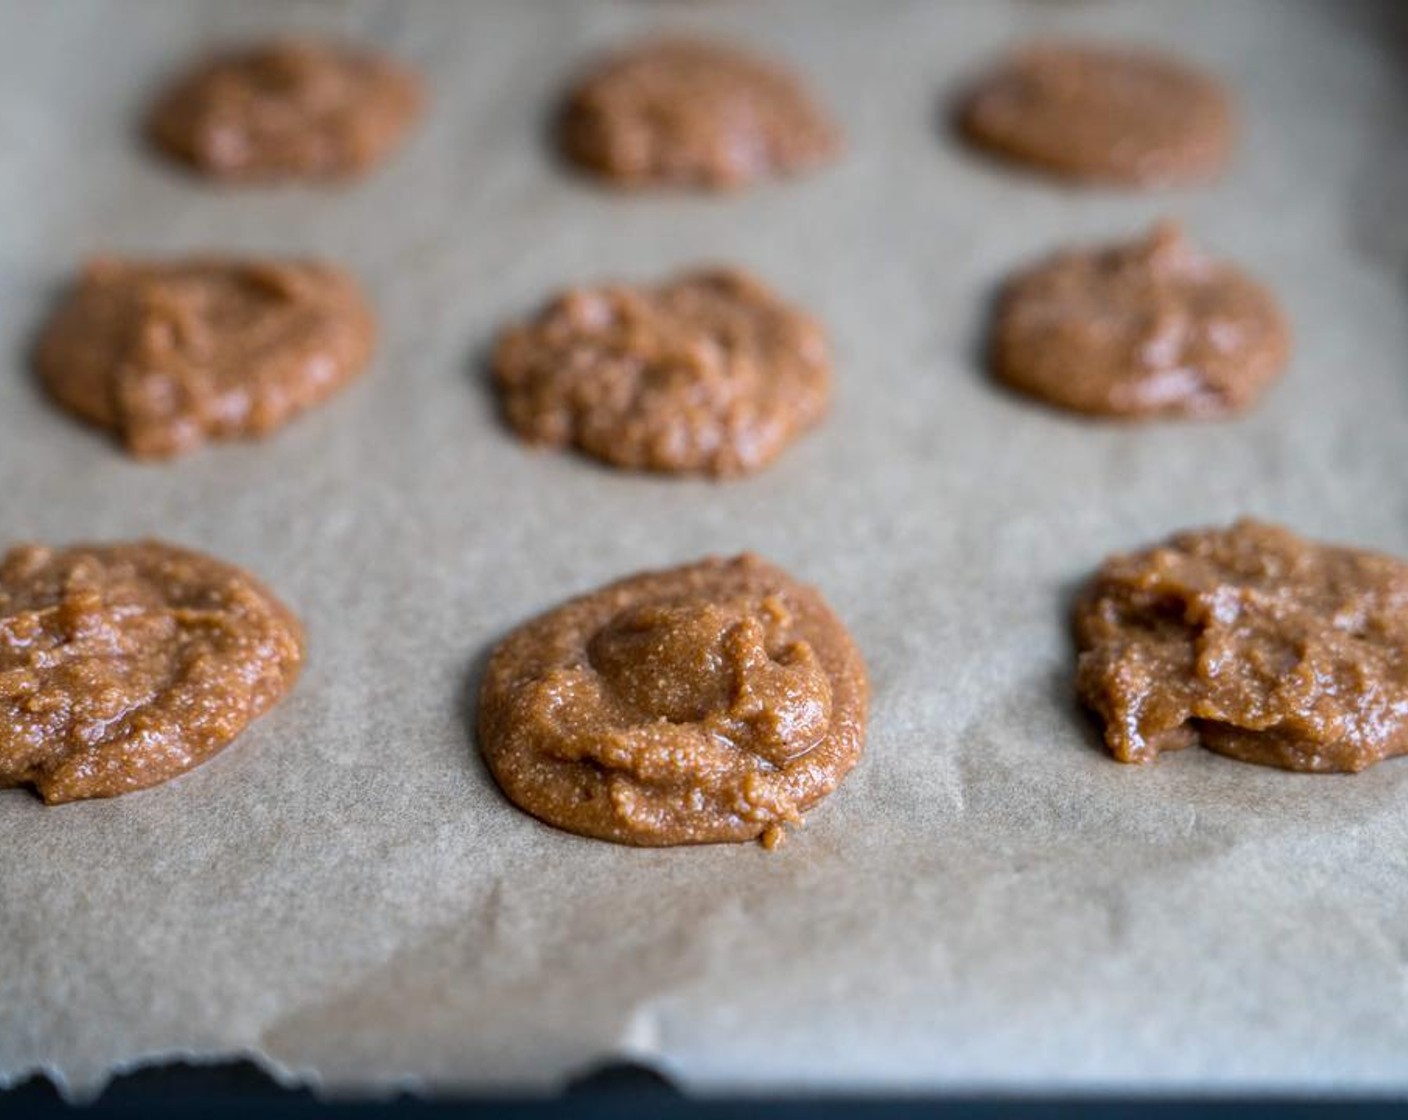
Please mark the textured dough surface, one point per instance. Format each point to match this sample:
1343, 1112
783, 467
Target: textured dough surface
680, 112
708, 372
713, 702
1091, 112
124, 665
1152, 327
172, 354
1253, 641
288, 109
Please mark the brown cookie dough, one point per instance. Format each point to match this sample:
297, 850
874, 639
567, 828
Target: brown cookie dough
1259, 644
1148, 328
683, 112
171, 354
709, 703
709, 372
288, 109
124, 665
1101, 113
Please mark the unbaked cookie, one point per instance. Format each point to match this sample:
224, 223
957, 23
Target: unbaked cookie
1090, 112
709, 372
709, 703
1148, 328
1253, 641
288, 109
686, 112
171, 354
124, 665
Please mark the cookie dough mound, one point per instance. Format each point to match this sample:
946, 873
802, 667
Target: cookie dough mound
1099, 113
1149, 328
124, 665
169, 355
709, 703
289, 109
691, 113
709, 372
1261, 645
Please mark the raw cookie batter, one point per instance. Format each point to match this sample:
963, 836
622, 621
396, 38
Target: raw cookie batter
171, 354
1258, 644
288, 109
1148, 328
709, 372
691, 113
713, 702
124, 665
1090, 112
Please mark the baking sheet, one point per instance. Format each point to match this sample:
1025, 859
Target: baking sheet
988, 901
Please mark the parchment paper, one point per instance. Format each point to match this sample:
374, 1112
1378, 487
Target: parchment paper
988, 901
